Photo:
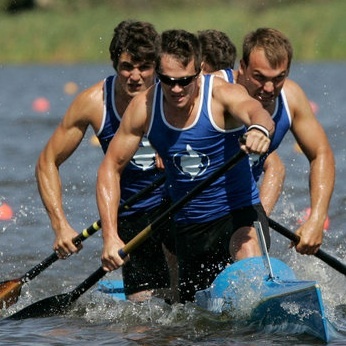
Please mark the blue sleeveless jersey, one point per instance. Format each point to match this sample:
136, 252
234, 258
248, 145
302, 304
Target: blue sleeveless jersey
283, 120
141, 170
193, 153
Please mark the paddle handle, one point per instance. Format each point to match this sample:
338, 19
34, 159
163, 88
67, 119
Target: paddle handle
32, 273
322, 255
87, 283
87, 232
134, 199
94, 277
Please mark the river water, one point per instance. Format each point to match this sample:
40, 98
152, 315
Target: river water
26, 239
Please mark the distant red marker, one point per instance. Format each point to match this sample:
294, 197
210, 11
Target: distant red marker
314, 106
41, 105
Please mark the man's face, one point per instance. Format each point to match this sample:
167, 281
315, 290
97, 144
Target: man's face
134, 77
262, 81
178, 82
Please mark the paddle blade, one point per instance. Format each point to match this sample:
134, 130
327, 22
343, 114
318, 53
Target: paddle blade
57, 305
9, 292
51, 306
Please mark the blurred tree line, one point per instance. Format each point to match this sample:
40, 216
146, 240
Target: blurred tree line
17, 6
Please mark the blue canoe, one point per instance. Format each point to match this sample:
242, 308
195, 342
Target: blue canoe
115, 288
279, 303
246, 291
262, 291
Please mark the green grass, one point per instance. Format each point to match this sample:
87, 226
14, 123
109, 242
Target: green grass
317, 28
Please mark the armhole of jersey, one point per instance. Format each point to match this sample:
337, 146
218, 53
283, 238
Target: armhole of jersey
210, 114
153, 109
284, 99
104, 108
227, 75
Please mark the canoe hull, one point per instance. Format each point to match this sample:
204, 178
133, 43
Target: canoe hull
245, 291
295, 306
283, 303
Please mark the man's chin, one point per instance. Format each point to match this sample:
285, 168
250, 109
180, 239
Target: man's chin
134, 91
265, 100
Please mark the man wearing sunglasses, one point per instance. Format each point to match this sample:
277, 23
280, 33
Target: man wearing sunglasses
195, 123
133, 51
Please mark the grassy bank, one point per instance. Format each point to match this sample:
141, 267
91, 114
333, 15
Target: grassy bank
68, 34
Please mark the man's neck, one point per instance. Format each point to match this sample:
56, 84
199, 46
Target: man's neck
122, 99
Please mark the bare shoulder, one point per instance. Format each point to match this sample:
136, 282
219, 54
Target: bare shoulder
141, 101
297, 100
292, 87
223, 89
90, 96
218, 74
138, 112
293, 90
87, 108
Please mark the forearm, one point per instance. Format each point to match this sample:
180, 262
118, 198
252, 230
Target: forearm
49, 187
108, 199
271, 187
322, 175
322, 178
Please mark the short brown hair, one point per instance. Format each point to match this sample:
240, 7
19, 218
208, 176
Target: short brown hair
277, 47
183, 45
140, 39
218, 51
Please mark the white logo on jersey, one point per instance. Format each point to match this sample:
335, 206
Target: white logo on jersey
190, 162
144, 157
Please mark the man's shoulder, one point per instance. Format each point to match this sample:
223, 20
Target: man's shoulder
92, 93
222, 88
296, 98
97, 86
147, 95
87, 107
292, 87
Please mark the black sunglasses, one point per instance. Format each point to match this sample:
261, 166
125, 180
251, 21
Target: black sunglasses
182, 82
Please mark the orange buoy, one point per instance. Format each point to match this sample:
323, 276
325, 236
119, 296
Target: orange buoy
70, 88
6, 212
